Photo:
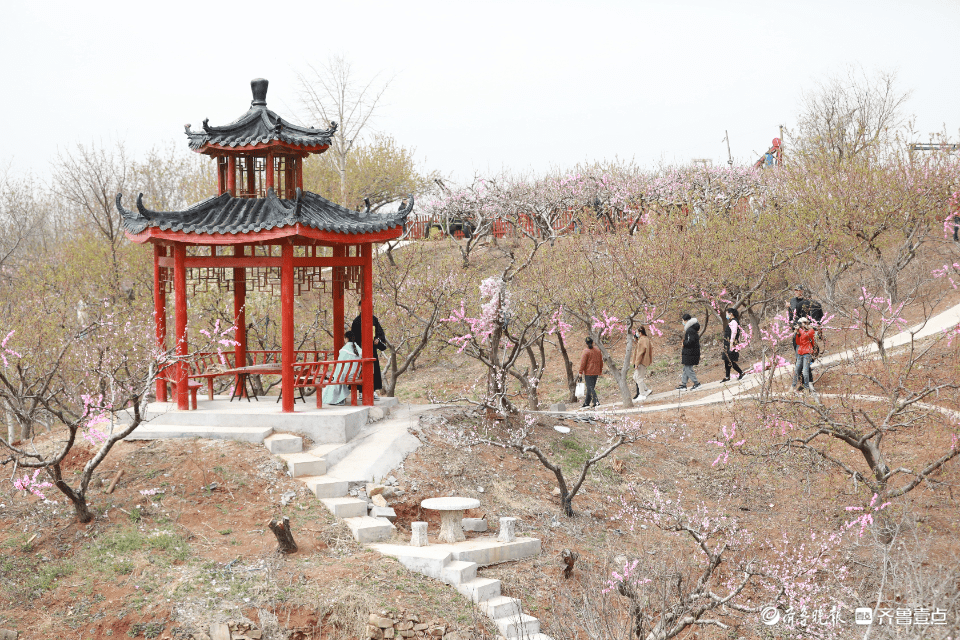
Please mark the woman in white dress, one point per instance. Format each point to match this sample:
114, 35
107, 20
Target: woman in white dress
338, 394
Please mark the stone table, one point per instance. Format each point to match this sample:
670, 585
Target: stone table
451, 514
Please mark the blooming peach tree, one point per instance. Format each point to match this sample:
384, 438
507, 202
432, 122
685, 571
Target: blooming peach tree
520, 434
737, 577
92, 387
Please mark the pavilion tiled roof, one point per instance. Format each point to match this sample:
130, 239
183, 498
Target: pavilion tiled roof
226, 214
259, 125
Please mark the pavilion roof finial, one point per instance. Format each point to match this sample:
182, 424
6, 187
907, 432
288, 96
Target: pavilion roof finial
259, 88
258, 126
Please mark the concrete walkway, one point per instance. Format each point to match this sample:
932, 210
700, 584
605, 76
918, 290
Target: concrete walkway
727, 392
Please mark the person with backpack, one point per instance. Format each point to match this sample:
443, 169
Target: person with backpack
689, 351
805, 339
731, 335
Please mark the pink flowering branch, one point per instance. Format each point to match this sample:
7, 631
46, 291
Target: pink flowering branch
30, 484
557, 324
865, 519
727, 444
608, 325
789, 573
6, 351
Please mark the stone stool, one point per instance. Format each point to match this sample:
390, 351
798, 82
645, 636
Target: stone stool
419, 537
508, 530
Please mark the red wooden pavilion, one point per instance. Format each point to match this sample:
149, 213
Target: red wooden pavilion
274, 227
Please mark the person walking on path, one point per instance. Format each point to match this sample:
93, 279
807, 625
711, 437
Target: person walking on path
591, 366
642, 358
804, 338
379, 344
690, 351
731, 335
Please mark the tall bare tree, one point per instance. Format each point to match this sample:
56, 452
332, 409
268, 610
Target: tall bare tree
89, 178
23, 218
848, 114
332, 93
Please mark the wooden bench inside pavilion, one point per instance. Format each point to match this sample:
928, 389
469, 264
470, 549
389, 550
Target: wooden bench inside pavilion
262, 229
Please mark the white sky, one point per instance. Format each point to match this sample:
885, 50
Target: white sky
477, 86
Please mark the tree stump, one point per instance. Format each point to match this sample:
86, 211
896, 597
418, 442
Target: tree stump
281, 529
569, 558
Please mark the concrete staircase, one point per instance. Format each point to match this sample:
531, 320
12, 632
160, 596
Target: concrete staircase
457, 564
310, 467
329, 469
352, 446
369, 453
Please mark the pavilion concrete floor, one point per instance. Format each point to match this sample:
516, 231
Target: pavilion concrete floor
252, 421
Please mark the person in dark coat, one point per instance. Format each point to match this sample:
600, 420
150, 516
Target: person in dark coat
800, 307
731, 335
690, 351
797, 306
379, 344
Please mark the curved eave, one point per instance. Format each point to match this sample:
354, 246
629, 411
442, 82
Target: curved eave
295, 231
275, 145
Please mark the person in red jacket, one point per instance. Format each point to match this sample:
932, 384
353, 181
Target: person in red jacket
591, 366
804, 338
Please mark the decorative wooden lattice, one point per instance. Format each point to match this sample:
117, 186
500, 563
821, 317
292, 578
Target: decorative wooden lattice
263, 279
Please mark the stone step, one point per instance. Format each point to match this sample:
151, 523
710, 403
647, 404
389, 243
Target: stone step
346, 507
152, 431
324, 486
480, 589
304, 464
517, 626
500, 607
283, 443
366, 529
336, 451
383, 512
458, 572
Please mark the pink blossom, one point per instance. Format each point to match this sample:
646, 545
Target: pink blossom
727, 445
4, 351
866, 518
31, 485
608, 325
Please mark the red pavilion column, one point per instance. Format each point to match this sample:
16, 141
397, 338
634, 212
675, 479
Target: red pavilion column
160, 317
286, 320
239, 312
269, 172
299, 162
232, 176
180, 324
366, 320
339, 251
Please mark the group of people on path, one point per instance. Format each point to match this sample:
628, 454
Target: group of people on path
802, 313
